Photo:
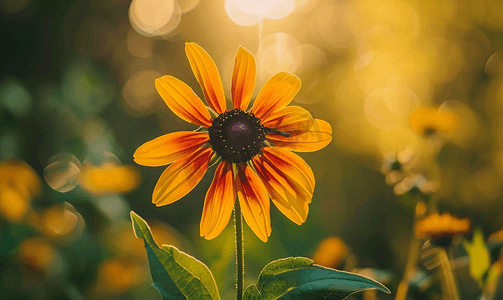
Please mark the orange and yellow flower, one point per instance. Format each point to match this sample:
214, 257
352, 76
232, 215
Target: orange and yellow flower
427, 121
445, 225
19, 184
331, 252
252, 147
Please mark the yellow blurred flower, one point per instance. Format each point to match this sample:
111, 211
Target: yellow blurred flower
20, 176
121, 239
496, 236
253, 145
60, 222
37, 252
13, 206
442, 226
331, 252
18, 185
427, 121
109, 178
117, 275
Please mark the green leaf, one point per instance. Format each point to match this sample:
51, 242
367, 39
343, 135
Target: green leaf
282, 265
252, 293
297, 279
479, 256
176, 274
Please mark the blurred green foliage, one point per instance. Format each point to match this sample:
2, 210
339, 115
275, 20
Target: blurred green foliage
77, 79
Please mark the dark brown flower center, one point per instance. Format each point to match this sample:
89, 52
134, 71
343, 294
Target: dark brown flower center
236, 136
429, 131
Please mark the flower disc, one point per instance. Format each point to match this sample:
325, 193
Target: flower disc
236, 136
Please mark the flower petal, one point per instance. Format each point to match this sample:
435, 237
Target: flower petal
291, 165
181, 99
219, 202
315, 139
181, 177
293, 209
169, 148
243, 78
207, 75
291, 119
289, 188
254, 202
276, 94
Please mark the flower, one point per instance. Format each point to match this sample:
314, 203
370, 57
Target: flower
427, 121
441, 228
18, 175
415, 185
37, 253
116, 276
395, 164
60, 222
109, 178
252, 147
19, 184
496, 236
331, 252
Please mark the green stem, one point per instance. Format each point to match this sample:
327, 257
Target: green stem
412, 258
447, 281
240, 261
410, 268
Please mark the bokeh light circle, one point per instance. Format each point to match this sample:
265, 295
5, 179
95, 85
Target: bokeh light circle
62, 173
400, 99
277, 52
312, 60
239, 16
139, 93
15, 97
139, 45
154, 17
348, 97
250, 12
377, 112
494, 64
338, 25
86, 87
187, 5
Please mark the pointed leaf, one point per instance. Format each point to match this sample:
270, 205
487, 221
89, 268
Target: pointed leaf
297, 279
479, 256
176, 274
282, 265
252, 293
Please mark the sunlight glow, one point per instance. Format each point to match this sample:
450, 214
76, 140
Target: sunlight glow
247, 13
278, 52
378, 113
154, 17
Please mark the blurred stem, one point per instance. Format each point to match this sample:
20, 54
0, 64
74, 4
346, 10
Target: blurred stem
240, 261
449, 287
433, 204
413, 257
491, 285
